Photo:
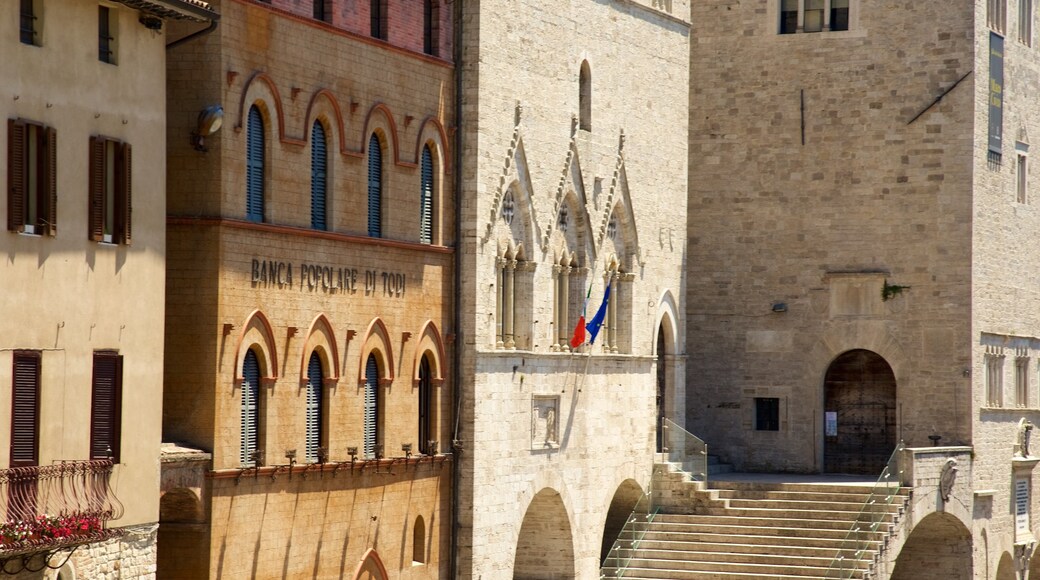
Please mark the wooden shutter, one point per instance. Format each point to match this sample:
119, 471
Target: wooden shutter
106, 406
48, 209
255, 166
314, 406
319, 162
375, 188
25, 410
96, 210
424, 405
16, 177
124, 194
426, 198
371, 406
250, 409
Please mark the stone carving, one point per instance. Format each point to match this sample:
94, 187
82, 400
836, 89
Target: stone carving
544, 426
1025, 429
947, 478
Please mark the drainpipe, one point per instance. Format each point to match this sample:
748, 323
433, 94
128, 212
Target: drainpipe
212, 26
456, 359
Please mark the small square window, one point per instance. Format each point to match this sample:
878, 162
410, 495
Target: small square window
767, 414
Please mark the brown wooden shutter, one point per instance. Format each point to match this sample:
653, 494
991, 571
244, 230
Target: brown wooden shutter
124, 205
96, 211
106, 406
50, 175
25, 410
16, 178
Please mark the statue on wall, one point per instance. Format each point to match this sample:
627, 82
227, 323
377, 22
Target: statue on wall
947, 479
1025, 429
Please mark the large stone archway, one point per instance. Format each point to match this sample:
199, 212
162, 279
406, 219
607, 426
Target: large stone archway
939, 548
624, 501
1006, 568
859, 413
545, 547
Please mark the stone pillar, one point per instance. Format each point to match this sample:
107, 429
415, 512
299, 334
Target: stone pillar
564, 302
557, 273
612, 308
500, 264
508, 304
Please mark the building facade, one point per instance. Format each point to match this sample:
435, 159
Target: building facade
309, 293
573, 181
84, 246
860, 271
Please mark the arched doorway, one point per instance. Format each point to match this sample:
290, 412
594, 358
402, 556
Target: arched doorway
625, 499
939, 548
545, 548
662, 378
859, 413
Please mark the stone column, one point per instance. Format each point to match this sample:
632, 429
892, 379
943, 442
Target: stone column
564, 302
499, 311
557, 273
612, 308
508, 304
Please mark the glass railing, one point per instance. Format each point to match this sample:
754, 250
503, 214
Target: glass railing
628, 541
685, 450
866, 536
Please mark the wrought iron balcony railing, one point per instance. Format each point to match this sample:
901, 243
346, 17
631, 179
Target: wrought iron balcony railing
56, 506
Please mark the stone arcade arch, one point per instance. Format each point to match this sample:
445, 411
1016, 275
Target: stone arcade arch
1006, 568
859, 413
939, 548
371, 568
624, 501
545, 547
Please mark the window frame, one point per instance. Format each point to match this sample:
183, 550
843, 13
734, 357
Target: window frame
767, 406
1022, 178
1025, 22
996, 15
107, 35
794, 21
379, 19
114, 429
31, 185
1022, 381
111, 191
28, 23
35, 360
994, 380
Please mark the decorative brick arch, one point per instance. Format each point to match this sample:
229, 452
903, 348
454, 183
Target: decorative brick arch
376, 340
257, 332
380, 120
333, 115
431, 132
430, 342
371, 567
322, 338
259, 86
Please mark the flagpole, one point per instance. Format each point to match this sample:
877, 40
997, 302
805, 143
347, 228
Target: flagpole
588, 359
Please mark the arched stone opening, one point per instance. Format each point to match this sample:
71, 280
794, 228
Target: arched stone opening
371, 568
179, 506
624, 501
545, 548
1034, 566
939, 548
1006, 568
859, 413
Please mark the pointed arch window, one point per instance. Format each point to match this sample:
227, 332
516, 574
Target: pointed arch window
585, 97
319, 177
375, 187
250, 409
315, 409
255, 166
426, 198
419, 541
372, 435
425, 407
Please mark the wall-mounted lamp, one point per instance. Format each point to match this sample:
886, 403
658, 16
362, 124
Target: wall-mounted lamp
210, 120
431, 447
352, 452
256, 457
407, 448
378, 451
779, 307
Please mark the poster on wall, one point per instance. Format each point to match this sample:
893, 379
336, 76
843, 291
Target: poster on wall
830, 422
996, 91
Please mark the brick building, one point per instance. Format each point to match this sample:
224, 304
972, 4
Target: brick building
573, 148
309, 292
81, 293
860, 267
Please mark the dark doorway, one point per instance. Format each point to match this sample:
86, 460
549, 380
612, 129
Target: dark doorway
859, 413
662, 378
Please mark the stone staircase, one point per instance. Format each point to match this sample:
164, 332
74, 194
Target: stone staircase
755, 530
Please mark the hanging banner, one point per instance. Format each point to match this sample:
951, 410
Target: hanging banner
996, 91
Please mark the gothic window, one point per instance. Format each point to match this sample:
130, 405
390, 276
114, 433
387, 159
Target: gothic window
508, 208
585, 97
513, 286
564, 221
994, 380
612, 228
425, 407
249, 454
315, 410
373, 436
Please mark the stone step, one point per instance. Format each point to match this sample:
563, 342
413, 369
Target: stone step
800, 514
750, 535
686, 559
755, 486
840, 496
691, 569
669, 522
815, 505
731, 544
719, 469
651, 574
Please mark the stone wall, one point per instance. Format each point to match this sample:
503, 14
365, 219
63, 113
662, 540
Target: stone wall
129, 557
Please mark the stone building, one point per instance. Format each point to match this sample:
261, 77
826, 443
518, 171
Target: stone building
574, 178
860, 266
81, 292
309, 292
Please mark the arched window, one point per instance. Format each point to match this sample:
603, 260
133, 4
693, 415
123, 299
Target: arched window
319, 177
419, 541
315, 409
375, 187
372, 435
250, 409
431, 28
379, 19
425, 407
255, 166
426, 198
585, 97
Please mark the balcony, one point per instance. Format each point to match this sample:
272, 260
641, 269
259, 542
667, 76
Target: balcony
55, 507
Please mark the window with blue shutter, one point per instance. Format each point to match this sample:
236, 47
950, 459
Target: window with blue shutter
375, 187
319, 176
250, 407
426, 198
315, 379
425, 406
255, 166
371, 406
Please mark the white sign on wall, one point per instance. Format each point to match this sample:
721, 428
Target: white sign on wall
1021, 505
